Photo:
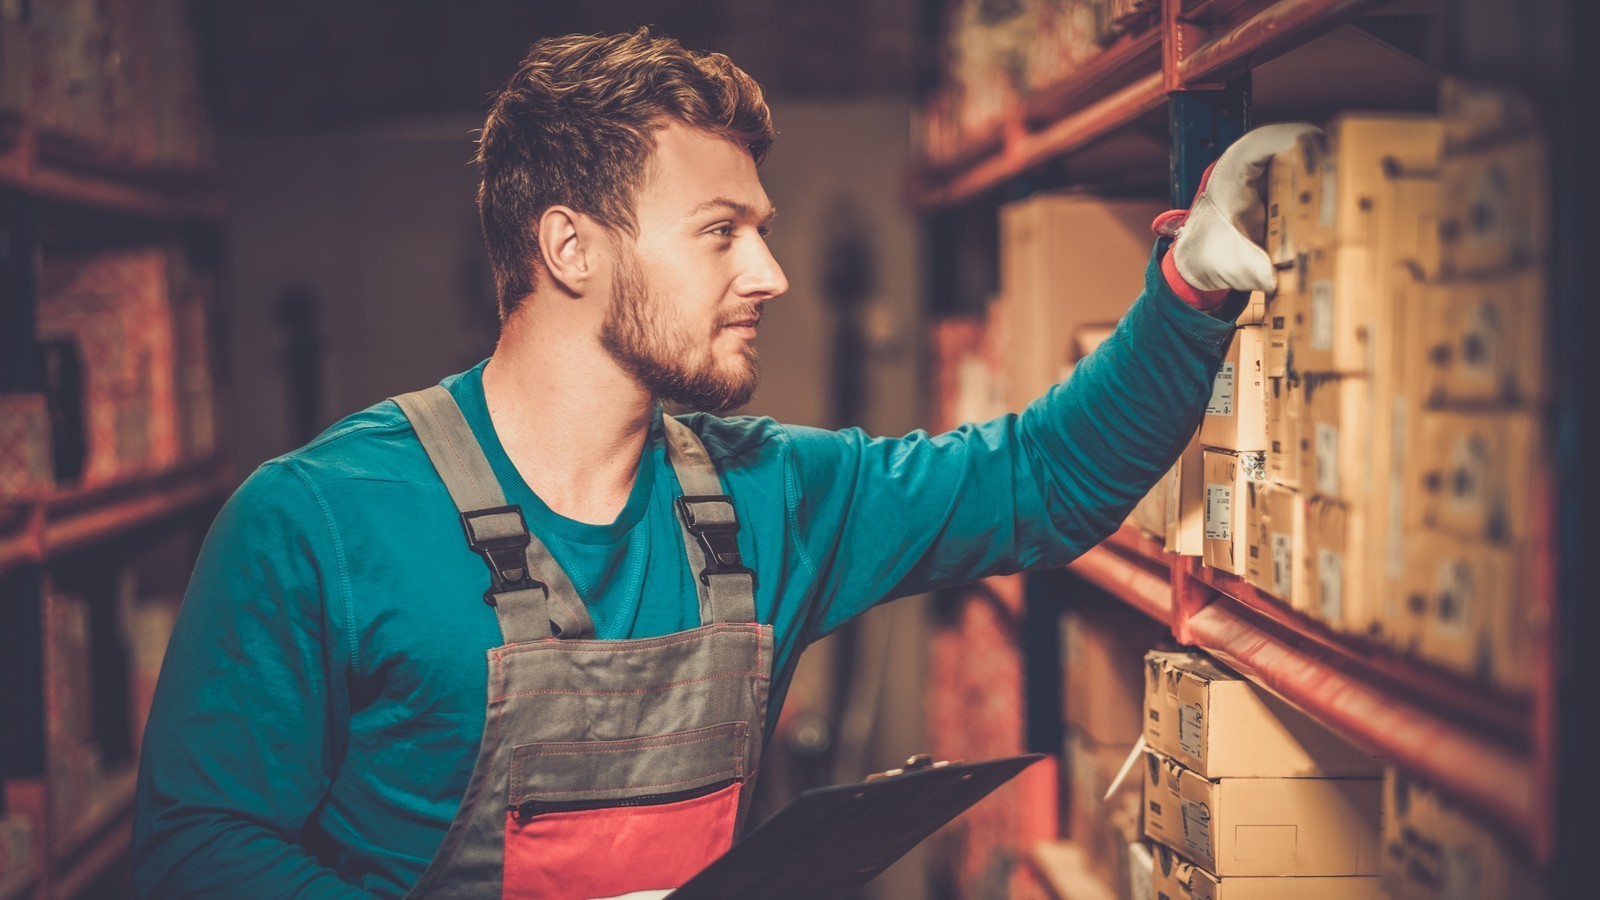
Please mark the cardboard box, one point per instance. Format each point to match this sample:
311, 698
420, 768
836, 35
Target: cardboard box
1255, 310
1474, 473
1285, 427
1161, 705
1264, 826
1335, 554
1236, 416
26, 465
1339, 308
1065, 260
1287, 312
1276, 564
1473, 614
1432, 850
1092, 819
1186, 503
1335, 443
1175, 878
1230, 728
1484, 341
1361, 150
1150, 514
1229, 479
1102, 653
1476, 115
1284, 204
1495, 214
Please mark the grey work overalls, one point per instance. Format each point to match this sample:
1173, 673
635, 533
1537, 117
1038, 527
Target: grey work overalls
605, 766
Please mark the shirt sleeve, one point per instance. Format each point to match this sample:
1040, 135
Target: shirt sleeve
247, 722
886, 517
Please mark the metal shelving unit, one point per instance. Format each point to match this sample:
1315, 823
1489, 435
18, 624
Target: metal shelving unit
1498, 753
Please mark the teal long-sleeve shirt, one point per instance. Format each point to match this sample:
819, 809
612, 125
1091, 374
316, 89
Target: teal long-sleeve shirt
320, 706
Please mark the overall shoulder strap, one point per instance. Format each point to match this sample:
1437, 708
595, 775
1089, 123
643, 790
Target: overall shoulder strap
532, 597
710, 530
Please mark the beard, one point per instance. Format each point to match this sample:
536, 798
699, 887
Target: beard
667, 357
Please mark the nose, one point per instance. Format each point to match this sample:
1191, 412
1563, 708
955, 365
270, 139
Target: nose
762, 278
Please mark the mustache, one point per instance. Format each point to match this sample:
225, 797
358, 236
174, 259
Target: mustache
751, 313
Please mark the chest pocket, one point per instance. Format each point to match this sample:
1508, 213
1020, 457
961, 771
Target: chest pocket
601, 818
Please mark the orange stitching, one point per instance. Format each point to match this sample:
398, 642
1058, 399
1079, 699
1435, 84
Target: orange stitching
663, 641
638, 744
632, 787
651, 690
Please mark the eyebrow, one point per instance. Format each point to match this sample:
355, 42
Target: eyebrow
743, 210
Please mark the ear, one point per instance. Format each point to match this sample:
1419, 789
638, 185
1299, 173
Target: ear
567, 245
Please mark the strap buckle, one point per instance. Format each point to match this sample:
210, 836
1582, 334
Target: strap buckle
712, 521
500, 535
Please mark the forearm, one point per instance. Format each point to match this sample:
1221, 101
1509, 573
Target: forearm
1095, 443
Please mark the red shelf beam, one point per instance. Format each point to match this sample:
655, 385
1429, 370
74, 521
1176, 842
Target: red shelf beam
1135, 581
1482, 773
1273, 29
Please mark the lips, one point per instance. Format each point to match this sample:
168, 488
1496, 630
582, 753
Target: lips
744, 319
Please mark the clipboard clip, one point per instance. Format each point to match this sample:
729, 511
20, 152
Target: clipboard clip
914, 763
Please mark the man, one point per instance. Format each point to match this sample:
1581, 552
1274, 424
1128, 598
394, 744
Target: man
633, 588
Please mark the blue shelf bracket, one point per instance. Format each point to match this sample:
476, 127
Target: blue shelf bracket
1202, 123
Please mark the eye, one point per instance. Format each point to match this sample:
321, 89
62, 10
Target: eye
724, 230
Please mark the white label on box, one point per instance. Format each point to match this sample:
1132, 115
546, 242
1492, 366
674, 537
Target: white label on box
1330, 193
1327, 457
1219, 512
1330, 575
1282, 566
1191, 730
1397, 498
1453, 592
1222, 391
1322, 315
1197, 832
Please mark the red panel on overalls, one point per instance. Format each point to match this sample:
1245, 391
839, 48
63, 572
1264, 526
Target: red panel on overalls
605, 766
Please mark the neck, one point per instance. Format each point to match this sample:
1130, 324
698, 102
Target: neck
571, 420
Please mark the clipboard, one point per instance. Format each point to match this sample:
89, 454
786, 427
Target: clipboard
830, 841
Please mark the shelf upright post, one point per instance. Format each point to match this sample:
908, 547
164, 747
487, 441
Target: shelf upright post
18, 311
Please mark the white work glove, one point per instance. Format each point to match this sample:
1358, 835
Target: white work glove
638, 895
1216, 245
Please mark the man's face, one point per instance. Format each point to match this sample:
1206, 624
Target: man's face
687, 295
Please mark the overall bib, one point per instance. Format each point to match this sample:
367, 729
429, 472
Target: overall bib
605, 766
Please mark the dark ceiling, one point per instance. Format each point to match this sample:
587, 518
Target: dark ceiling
310, 63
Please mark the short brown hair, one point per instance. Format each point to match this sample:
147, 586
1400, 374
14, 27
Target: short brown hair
575, 126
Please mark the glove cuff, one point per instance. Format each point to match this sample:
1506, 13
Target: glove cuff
1205, 301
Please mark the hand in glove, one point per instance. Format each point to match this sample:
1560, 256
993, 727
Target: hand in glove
1217, 241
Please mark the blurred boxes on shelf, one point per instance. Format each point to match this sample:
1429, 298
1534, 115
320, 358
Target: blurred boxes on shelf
1103, 826
26, 469
1467, 608
1235, 417
1186, 502
1230, 482
1482, 342
1102, 654
1175, 878
1335, 455
1358, 153
116, 305
1335, 564
1264, 826
1433, 850
1227, 727
18, 846
1474, 473
1496, 212
1065, 260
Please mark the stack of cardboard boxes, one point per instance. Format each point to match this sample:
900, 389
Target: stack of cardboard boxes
1350, 225
1432, 851
1475, 366
1247, 797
